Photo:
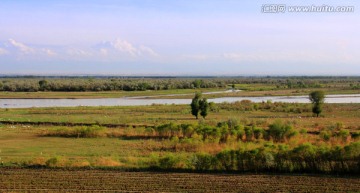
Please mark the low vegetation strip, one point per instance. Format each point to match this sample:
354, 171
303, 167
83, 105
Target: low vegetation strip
274, 152
18, 180
69, 124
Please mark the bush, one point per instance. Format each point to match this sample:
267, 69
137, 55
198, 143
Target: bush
344, 134
106, 162
280, 132
79, 132
325, 135
226, 160
168, 162
202, 161
355, 135
56, 162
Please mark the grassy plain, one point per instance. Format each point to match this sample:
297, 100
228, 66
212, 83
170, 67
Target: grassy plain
299, 114
22, 143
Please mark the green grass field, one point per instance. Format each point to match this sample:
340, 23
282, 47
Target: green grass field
25, 143
299, 114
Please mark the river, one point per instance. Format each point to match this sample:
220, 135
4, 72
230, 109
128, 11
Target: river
135, 101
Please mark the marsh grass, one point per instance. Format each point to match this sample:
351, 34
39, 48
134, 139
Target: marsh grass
347, 114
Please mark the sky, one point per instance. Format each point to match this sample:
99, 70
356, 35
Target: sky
177, 37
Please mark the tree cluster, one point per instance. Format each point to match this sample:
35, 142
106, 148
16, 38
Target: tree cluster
105, 84
200, 106
317, 98
34, 84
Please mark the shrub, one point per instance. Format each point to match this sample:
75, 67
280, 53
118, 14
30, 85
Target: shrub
80, 163
106, 162
79, 132
226, 160
202, 161
280, 132
248, 133
303, 131
38, 161
258, 132
325, 135
56, 162
168, 161
91, 132
344, 134
355, 135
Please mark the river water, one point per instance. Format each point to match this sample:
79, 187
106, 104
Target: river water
136, 101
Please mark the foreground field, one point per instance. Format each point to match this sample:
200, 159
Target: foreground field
242, 136
44, 180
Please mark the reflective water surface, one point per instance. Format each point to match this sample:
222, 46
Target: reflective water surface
27, 103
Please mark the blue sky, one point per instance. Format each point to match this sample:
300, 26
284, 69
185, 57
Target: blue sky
184, 37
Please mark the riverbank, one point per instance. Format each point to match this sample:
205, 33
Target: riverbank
170, 94
145, 101
95, 95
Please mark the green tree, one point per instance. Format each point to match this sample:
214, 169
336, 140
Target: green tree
204, 107
199, 105
195, 105
43, 85
317, 99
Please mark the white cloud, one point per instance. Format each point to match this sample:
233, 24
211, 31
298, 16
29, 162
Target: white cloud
117, 50
124, 46
144, 50
125, 49
21, 51
21, 47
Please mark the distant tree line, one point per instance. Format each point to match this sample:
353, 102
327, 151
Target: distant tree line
34, 84
93, 84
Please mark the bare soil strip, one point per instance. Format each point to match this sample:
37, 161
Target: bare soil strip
46, 180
